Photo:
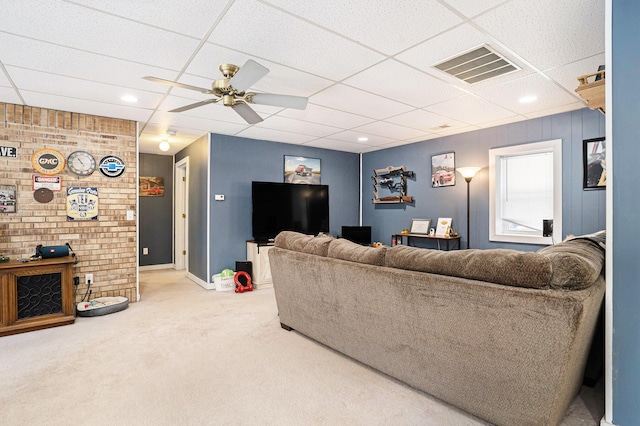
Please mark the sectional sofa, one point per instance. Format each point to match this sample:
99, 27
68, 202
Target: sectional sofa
501, 334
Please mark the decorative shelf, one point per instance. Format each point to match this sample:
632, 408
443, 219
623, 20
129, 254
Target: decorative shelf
395, 179
591, 89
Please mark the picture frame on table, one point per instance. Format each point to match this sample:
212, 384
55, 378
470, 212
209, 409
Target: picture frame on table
420, 226
442, 227
594, 169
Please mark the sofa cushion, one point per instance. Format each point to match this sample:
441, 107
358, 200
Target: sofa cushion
303, 243
346, 250
577, 263
500, 266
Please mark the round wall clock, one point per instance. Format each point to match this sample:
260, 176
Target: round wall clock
47, 161
81, 163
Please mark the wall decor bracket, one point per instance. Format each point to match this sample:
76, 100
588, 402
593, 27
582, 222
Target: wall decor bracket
393, 178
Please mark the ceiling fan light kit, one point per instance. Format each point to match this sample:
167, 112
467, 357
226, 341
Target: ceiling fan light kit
231, 90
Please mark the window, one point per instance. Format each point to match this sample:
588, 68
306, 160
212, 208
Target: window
525, 187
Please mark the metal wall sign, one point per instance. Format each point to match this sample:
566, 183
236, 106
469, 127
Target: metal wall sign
82, 203
111, 166
8, 151
48, 161
54, 183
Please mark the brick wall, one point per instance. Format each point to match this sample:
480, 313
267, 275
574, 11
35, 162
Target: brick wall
106, 247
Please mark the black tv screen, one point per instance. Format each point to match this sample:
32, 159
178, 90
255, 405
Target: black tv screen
357, 234
280, 207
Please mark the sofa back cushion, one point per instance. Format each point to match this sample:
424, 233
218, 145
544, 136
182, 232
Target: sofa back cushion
347, 250
500, 266
303, 243
577, 263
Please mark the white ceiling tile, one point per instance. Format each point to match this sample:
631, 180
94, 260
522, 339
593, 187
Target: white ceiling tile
352, 136
356, 101
54, 84
60, 23
297, 126
557, 110
324, 115
193, 17
548, 33
290, 41
424, 120
83, 106
403, 83
274, 135
7, 94
470, 8
335, 145
393, 131
61, 60
365, 20
167, 119
471, 109
508, 94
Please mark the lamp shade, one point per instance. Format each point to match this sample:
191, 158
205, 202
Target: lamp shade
468, 172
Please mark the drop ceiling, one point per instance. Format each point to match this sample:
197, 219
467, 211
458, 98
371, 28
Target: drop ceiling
366, 66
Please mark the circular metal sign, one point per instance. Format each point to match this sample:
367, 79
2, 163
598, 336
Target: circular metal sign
111, 166
47, 161
43, 195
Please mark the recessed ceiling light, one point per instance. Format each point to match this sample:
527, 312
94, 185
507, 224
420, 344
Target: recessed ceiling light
129, 98
164, 146
528, 99
363, 139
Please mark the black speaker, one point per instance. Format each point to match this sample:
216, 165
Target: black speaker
547, 227
246, 266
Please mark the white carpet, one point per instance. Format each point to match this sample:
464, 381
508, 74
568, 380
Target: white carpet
188, 356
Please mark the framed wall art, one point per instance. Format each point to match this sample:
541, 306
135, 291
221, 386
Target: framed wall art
594, 167
151, 186
8, 198
443, 170
301, 170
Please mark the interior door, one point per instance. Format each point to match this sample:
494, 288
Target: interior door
181, 216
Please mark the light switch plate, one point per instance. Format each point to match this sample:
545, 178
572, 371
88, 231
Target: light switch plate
219, 197
129, 214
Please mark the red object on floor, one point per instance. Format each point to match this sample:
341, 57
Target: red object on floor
239, 287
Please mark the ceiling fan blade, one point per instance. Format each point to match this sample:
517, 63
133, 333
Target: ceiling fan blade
176, 84
248, 75
195, 105
245, 111
286, 101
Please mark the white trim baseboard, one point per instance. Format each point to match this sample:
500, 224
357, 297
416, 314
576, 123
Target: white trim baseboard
603, 422
201, 283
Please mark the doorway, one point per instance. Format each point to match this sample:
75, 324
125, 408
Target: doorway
181, 216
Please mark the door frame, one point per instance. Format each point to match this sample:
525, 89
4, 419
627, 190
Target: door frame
180, 206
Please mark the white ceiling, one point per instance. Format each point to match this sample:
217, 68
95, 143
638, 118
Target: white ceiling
366, 65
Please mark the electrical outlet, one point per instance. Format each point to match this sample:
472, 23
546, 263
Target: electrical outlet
88, 278
145, 250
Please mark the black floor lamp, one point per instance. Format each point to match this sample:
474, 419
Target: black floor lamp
468, 173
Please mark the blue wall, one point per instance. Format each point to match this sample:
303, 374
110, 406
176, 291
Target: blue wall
198, 153
623, 75
236, 162
583, 211
156, 213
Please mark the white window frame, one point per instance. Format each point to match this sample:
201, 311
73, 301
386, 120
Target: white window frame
495, 154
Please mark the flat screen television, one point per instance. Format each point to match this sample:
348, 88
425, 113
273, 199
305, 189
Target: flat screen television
357, 234
280, 207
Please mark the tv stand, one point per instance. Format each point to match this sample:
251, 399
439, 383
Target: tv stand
258, 255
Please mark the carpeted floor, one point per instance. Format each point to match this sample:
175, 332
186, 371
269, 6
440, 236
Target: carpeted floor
188, 356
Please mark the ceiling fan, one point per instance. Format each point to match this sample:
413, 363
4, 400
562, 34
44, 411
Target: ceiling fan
231, 91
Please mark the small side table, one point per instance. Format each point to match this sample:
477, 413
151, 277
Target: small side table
399, 239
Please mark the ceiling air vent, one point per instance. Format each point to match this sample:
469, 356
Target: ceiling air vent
477, 65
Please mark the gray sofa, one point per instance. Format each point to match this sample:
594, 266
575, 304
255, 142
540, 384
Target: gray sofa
501, 334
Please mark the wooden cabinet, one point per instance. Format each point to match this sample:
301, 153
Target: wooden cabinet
36, 294
258, 255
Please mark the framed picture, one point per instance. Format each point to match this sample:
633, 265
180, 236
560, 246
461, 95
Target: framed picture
301, 170
8, 198
443, 170
151, 186
420, 226
442, 228
594, 169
